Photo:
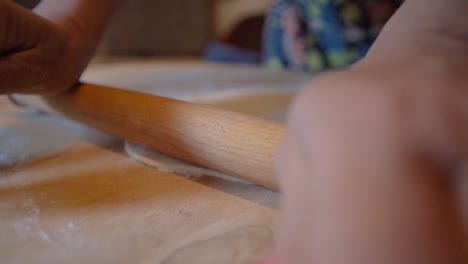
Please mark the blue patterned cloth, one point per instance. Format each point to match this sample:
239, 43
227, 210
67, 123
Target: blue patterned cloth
312, 35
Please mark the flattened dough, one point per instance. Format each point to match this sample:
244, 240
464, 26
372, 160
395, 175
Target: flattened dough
168, 164
32, 136
40, 137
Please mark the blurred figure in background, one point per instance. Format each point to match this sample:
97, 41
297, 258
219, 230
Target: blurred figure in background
306, 35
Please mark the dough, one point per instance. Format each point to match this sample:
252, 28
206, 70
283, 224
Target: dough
168, 164
39, 137
32, 136
213, 179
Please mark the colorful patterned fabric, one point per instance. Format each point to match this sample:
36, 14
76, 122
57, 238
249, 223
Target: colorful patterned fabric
312, 35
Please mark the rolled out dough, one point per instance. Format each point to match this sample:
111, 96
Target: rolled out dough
166, 163
31, 136
42, 136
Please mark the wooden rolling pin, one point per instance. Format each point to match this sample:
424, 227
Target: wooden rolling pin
229, 142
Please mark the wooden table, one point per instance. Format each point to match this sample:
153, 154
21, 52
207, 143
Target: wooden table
92, 204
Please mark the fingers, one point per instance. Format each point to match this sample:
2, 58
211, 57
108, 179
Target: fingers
435, 28
36, 71
19, 35
33, 53
20, 29
366, 194
18, 76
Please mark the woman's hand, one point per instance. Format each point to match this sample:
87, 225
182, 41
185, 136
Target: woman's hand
373, 167
45, 51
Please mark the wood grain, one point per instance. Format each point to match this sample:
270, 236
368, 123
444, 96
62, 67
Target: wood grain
92, 204
233, 143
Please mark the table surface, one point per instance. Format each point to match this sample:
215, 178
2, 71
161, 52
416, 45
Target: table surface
92, 203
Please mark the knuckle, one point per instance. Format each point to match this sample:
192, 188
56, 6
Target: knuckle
339, 96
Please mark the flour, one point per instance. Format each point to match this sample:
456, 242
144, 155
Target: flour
39, 137
69, 228
29, 225
36, 136
72, 226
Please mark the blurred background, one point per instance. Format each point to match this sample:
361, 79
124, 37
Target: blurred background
168, 47
197, 28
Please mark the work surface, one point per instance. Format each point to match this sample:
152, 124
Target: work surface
91, 203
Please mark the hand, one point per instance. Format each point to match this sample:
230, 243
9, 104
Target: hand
372, 166
45, 51
37, 55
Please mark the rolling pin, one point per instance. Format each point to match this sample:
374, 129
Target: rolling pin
228, 142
